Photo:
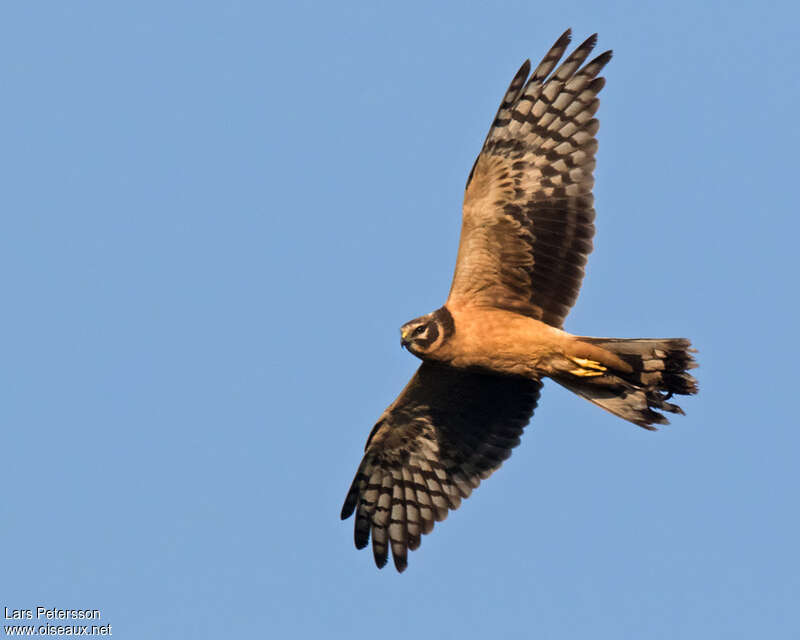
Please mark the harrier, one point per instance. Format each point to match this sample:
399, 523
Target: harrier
526, 232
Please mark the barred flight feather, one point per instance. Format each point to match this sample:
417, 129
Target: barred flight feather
447, 431
529, 192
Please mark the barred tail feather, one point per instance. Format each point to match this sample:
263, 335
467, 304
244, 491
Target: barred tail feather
659, 369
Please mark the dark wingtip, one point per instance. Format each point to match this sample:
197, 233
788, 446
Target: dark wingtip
360, 536
590, 42
361, 543
349, 505
400, 563
380, 560
603, 58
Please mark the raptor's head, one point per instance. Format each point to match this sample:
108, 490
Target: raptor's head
426, 334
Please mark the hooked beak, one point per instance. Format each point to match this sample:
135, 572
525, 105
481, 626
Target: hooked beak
404, 341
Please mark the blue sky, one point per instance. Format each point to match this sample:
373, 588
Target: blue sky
217, 215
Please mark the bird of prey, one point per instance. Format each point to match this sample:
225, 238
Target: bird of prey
526, 232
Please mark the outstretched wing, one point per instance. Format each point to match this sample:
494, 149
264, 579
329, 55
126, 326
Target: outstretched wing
448, 430
528, 208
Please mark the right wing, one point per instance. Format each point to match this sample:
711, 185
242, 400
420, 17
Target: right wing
448, 430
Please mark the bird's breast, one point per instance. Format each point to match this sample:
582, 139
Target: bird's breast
501, 341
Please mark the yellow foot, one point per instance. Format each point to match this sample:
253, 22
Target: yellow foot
588, 368
585, 373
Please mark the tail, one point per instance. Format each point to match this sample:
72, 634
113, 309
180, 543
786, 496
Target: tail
635, 378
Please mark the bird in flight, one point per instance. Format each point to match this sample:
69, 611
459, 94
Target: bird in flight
527, 228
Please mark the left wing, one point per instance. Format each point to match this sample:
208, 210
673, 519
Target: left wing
448, 430
528, 217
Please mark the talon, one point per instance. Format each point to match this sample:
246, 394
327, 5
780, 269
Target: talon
588, 364
585, 373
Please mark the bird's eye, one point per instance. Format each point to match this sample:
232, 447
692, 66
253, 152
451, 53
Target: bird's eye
418, 331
